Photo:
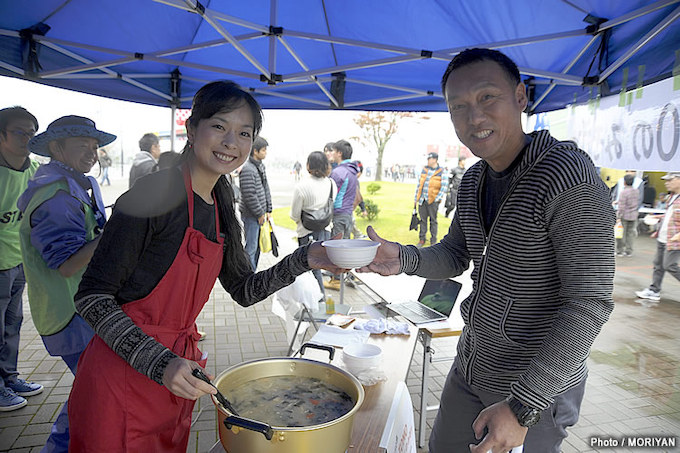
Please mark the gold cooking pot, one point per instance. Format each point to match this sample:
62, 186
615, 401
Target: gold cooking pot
242, 435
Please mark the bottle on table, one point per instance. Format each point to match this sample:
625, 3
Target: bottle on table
330, 306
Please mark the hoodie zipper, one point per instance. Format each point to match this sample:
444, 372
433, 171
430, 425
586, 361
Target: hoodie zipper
487, 240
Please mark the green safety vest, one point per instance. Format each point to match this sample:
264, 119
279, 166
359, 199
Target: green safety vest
50, 295
12, 185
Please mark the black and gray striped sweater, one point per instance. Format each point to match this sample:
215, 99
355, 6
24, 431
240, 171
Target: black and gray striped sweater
542, 277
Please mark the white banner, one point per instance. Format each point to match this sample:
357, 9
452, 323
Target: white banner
638, 130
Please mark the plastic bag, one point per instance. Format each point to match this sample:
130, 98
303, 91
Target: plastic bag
275, 242
618, 230
305, 290
266, 237
414, 221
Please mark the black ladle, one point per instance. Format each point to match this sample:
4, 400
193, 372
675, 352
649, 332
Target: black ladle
223, 401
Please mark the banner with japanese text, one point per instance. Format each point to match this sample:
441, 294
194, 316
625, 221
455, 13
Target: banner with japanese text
634, 130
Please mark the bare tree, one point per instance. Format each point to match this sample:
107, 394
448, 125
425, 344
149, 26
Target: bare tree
377, 128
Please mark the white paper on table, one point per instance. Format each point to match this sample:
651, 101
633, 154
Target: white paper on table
339, 337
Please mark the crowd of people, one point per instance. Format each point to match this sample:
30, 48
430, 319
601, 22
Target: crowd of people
117, 299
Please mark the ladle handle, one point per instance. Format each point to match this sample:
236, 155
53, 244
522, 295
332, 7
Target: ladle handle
225, 402
200, 375
249, 424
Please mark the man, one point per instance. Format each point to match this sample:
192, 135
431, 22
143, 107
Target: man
146, 160
63, 215
297, 166
358, 201
638, 184
17, 127
667, 240
535, 219
627, 214
455, 178
431, 189
345, 176
256, 201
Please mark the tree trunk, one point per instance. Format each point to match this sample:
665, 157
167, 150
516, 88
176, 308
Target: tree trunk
379, 165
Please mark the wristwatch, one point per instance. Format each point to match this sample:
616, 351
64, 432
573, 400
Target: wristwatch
526, 416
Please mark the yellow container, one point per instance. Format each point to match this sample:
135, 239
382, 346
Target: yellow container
330, 306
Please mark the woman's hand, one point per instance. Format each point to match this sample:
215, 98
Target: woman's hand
178, 379
386, 261
318, 259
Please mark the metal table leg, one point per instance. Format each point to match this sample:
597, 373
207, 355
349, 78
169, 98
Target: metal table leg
342, 287
426, 340
301, 318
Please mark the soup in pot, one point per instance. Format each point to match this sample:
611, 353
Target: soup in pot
290, 401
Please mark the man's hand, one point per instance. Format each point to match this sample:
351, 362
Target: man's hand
260, 219
178, 379
504, 431
386, 261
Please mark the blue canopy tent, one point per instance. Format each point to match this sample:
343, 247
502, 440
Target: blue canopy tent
349, 54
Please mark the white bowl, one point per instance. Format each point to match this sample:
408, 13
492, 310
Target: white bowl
650, 220
351, 253
359, 357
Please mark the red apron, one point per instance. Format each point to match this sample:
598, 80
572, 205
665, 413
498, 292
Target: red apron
113, 407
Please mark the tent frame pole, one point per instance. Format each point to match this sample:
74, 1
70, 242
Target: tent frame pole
173, 111
273, 10
311, 78
565, 70
665, 22
637, 13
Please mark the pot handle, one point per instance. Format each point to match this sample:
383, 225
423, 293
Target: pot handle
323, 347
252, 425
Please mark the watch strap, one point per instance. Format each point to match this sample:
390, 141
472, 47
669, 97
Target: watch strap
526, 416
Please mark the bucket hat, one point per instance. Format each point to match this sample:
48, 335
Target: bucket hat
65, 127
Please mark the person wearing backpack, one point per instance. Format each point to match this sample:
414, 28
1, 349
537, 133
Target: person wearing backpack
311, 199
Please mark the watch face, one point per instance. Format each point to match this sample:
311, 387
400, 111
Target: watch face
525, 416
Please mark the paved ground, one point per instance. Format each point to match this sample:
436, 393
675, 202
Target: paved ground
633, 389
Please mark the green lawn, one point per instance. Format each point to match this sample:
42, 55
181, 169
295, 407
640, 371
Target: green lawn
395, 201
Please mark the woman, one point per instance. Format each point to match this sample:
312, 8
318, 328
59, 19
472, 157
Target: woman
169, 238
104, 162
312, 194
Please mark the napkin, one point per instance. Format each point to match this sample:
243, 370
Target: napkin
382, 325
337, 336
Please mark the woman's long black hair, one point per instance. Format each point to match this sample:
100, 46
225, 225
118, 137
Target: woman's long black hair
215, 97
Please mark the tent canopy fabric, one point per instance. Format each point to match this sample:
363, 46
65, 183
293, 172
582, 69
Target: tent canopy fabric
336, 54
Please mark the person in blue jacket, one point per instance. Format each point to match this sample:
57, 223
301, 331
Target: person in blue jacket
63, 216
345, 176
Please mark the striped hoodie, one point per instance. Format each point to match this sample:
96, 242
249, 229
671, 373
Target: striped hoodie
542, 277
